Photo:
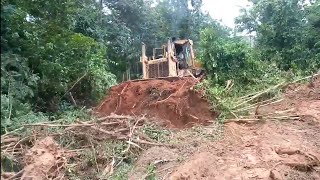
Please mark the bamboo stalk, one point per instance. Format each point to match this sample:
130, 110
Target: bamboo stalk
258, 94
255, 104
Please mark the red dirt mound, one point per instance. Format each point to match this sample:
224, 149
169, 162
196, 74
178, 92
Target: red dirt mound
172, 101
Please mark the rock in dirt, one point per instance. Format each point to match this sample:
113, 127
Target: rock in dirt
45, 160
173, 101
275, 175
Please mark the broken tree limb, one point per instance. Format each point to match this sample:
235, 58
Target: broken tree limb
262, 118
17, 175
193, 76
279, 112
58, 125
241, 120
261, 103
111, 117
120, 95
307, 77
98, 129
11, 132
257, 95
73, 101
74, 84
9, 140
72, 125
172, 94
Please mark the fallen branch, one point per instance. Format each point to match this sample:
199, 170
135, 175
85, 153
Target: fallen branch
73, 101
171, 94
11, 132
130, 137
59, 125
9, 140
262, 118
279, 112
71, 126
257, 95
99, 129
261, 103
229, 85
114, 117
294, 117
241, 120
77, 81
307, 77
20, 141
119, 95
17, 175
193, 76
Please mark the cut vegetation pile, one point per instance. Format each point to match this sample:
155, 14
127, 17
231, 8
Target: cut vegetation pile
90, 149
172, 101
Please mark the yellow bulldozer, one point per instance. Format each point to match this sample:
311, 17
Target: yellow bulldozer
174, 59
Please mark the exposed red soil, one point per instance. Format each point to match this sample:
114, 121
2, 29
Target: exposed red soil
266, 150
254, 152
275, 150
173, 101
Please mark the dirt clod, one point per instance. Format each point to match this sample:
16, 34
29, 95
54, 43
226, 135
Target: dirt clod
45, 160
170, 100
275, 175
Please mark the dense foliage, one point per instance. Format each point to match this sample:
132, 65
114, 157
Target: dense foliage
60, 54
287, 37
287, 32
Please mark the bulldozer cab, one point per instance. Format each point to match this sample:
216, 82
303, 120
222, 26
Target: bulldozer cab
169, 60
183, 53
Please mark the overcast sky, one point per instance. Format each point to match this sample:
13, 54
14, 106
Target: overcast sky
226, 10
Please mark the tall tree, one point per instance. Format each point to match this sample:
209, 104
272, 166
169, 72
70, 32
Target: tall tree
280, 26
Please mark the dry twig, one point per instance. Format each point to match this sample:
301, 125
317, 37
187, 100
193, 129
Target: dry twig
172, 94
